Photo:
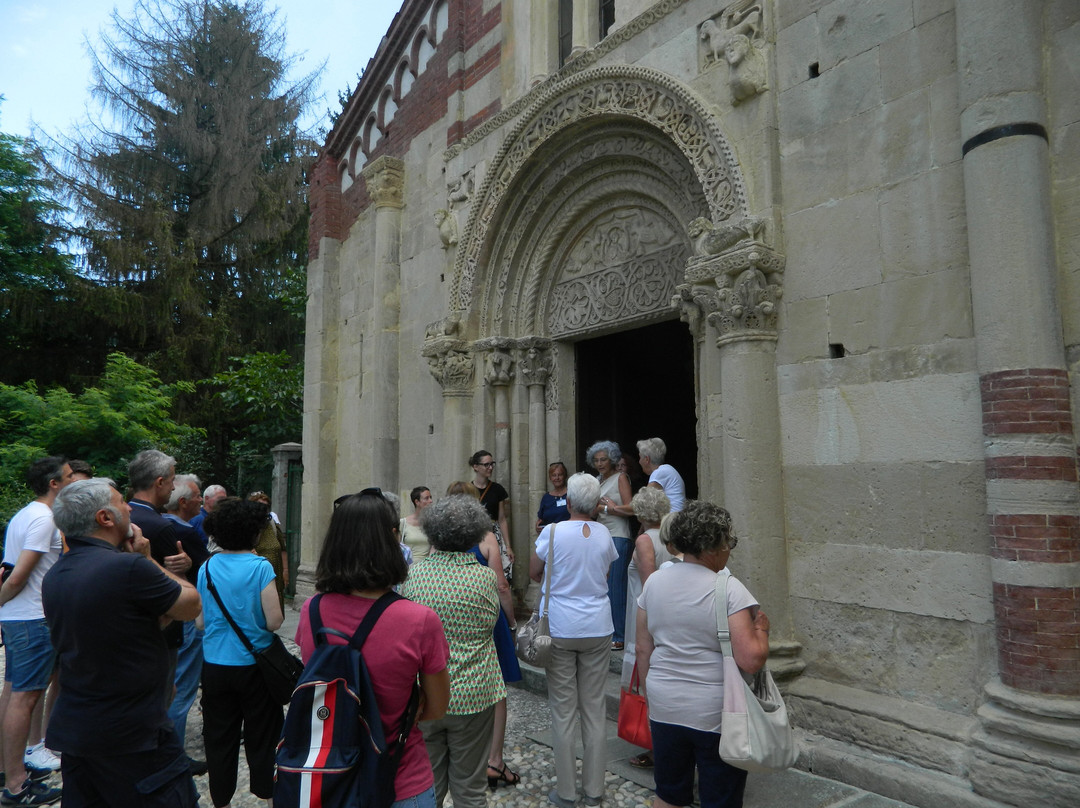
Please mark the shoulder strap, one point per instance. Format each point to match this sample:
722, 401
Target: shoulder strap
377, 608
722, 632
547, 567
213, 591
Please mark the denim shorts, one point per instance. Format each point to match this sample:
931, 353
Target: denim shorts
676, 752
425, 799
29, 654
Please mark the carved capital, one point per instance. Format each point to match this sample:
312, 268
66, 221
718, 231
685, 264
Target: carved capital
499, 363
695, 303
385, 178
448, 356
536, 363
748, 290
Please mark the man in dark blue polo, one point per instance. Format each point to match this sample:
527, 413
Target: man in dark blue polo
104, 601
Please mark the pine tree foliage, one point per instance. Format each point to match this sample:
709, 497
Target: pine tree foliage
191, 184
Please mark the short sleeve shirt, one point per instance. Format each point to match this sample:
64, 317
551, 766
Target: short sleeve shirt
671, 481
239, 579
491, 496
32, 528
406, 640
464, 596
579, 569
103, 607
686, 671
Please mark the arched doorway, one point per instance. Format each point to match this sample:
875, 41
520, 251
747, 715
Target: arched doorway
655, 398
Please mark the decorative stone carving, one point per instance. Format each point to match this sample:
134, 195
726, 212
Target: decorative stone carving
710, 239
448, 356
737, 39
622, 293
634, 92
616, 238
453, 370
536, 363
747, 280
459, 191
695, 303
447, 225
499, 364
385, 178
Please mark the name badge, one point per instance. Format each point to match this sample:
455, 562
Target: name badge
560, 502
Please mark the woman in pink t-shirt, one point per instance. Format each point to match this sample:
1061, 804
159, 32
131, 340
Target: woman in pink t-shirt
360, 561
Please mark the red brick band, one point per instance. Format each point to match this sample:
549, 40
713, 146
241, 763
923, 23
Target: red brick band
1038, 635
1035, 537
1029, 401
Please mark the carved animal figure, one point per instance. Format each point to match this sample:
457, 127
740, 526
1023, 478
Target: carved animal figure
716, 37
447, 225
710, 239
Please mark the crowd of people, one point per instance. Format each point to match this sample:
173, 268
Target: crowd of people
194, 583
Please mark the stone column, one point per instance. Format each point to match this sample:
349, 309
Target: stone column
452, 364
385, 184
535, 368
544, 39
498, 373
743, 283
586, 31
1028, 736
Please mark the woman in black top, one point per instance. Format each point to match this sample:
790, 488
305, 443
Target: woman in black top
494, 498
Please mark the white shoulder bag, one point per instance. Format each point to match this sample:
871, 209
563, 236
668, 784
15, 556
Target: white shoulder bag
754, 734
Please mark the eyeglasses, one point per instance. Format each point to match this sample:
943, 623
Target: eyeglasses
490, 465
367, 492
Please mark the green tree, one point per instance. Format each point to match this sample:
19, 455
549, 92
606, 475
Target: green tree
127, 411
262, 394
192, 185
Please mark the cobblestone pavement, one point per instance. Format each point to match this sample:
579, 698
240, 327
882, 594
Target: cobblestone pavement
528, 718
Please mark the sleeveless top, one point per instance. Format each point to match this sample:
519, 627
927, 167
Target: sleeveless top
618, 526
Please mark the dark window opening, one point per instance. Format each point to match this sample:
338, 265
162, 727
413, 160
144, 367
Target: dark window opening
836, 350
607, 16
815, 70
566, 30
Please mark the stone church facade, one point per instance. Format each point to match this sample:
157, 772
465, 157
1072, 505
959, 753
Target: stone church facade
829, 251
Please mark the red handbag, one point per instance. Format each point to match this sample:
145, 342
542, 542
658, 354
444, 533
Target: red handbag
634, 714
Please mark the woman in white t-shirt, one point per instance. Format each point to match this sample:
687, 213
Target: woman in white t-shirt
579, 618
681, 664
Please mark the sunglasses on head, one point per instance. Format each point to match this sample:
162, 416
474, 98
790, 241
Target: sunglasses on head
367, 492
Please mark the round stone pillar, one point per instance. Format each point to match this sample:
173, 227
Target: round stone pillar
1028, 734
385, 185
452, 365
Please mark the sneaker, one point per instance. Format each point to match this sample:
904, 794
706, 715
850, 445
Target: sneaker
32, 794
40, 757
37, 775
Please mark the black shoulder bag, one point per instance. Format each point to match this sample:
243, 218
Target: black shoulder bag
280, 669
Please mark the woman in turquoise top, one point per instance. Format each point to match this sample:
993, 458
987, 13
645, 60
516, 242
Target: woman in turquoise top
235, 700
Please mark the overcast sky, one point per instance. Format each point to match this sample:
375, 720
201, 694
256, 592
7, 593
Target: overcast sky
45, 72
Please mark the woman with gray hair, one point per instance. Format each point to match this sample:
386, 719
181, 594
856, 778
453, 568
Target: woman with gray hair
579, 618
681, 663
651, 506
463, 593
614, 514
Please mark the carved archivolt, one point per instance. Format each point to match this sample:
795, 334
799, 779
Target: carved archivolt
625, 91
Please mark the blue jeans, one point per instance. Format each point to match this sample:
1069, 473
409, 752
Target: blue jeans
29, 654
616, 587
425, 799
676, 751
189, 661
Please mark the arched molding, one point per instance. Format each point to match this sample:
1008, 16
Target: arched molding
622, 91
579, 177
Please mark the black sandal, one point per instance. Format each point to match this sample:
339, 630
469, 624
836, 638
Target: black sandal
505, 775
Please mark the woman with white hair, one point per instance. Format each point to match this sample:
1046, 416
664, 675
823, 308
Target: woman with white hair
651, 453
579, 618
614, 514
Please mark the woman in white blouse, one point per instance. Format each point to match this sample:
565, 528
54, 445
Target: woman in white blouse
579, 618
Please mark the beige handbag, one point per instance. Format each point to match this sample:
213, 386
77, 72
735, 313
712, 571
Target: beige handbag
533, 644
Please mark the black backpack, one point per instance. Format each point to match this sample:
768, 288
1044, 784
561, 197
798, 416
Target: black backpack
332, 751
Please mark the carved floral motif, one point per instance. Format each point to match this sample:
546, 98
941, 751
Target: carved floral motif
748, 290
385, 178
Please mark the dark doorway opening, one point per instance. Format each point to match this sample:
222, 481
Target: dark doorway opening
639, 384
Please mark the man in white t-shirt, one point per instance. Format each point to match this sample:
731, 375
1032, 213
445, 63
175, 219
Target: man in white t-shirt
31, 546
651, 452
